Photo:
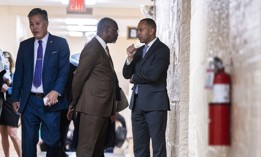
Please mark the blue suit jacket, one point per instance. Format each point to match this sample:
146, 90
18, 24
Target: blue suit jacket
55, 70
150, 73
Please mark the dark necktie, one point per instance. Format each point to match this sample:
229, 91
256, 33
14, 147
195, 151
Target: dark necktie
38, 66
108, 54
143, 54
107, 51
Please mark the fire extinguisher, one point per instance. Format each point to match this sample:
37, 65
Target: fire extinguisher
220, 106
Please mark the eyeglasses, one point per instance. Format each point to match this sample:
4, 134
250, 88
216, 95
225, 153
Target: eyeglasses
116, 30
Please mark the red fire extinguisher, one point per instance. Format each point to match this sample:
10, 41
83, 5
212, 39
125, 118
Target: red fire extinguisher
219, 108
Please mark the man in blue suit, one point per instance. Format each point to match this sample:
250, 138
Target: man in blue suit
146, 67
42, 67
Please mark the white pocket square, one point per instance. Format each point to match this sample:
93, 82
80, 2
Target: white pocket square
54, 51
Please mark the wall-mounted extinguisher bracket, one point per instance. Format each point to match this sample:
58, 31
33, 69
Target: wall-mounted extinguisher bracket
214, 65
219, 107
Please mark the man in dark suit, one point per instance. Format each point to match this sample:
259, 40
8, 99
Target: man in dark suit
42, 67
93, 90
146, 67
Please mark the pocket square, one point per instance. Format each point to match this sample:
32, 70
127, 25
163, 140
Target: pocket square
54, 51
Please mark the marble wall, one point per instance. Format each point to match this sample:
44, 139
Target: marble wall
195, 30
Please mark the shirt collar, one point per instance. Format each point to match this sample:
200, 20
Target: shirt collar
150, 43
44, 40
101, 41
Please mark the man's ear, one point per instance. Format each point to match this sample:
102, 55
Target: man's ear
152, 31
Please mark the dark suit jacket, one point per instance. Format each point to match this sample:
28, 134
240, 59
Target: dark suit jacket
150, 73
55, 70
68, 87
93, 86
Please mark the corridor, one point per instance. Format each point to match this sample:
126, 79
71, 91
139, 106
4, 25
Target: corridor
194, 31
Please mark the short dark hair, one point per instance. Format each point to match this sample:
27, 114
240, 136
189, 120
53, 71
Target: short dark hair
104, 22
38, 11
150, 22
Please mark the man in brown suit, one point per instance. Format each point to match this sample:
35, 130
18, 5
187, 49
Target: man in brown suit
93, 90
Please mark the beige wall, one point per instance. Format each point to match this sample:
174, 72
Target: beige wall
8, 39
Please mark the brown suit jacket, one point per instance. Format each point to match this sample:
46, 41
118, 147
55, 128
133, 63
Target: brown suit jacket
93, 86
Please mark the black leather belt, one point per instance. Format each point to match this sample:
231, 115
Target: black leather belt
39, 95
